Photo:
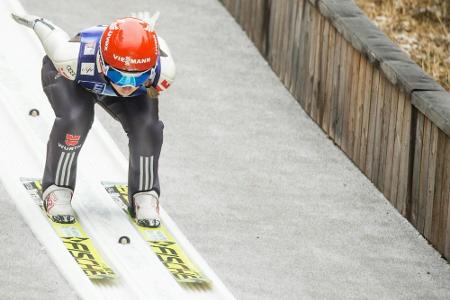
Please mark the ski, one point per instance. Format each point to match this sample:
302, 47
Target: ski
161, 241
74, 238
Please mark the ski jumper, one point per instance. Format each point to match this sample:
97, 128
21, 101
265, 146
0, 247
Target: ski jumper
73, 86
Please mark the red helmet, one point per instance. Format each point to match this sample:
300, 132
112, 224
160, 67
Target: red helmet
129, 44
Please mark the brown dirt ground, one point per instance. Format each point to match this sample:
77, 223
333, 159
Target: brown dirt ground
420, 27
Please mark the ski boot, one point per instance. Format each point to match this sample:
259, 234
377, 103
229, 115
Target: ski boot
146, 208
57, 204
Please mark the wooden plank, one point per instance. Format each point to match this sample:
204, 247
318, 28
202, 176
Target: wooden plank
324, 63
265, 21
242, 17
446, 199
254, 28
236, 10
308, 87
384, 136
331, 62
278, 37
233, 8
346, 97
429, 197
298, 44
297, 50
253, 21
256, 24
359, 110
239, 9
405, 169
397, 148
278, 31
349, 76
314, 67
315, 47
335, 94
390, 144
302, 53
438, 211
317, 68
286, 38
445, 206
266, 28
249, 19
353, 104
345, 93
272, 33
253, 17
372, 122
292, 34
270, 26
417, 166
345, 72
423, 178
259, 24
366, 117
304, 56
378, 129
246, 16
282, 37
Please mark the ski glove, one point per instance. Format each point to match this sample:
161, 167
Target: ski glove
27, 20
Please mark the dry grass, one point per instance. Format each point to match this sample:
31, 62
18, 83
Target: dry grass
420, 27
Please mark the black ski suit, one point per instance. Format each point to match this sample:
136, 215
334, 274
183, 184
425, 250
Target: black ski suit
74, 109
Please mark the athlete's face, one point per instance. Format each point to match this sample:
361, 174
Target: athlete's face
124, 90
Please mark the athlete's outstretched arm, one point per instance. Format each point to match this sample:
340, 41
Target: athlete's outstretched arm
168, 69
62, 52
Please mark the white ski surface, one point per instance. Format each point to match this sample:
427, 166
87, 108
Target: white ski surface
140, 274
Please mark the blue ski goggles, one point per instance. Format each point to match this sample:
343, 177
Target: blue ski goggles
122, 78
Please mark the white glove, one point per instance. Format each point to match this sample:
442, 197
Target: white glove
27, 20
145, 16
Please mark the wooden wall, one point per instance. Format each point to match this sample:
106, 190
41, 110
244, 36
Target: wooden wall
389, 117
